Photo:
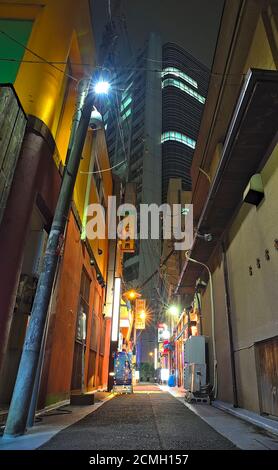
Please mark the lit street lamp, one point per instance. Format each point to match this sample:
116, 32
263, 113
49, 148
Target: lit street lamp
101, 88
173, 310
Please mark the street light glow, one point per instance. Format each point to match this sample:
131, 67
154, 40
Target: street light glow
173, 309
143, 315
131, 294
102, 88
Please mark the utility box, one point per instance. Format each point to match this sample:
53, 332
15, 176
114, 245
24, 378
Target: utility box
194, 363
197, 377
195, 350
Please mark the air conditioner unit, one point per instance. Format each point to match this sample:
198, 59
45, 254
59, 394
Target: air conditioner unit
194, 364
197, 377
195, 350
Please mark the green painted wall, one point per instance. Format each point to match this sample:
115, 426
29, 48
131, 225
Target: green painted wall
10, 49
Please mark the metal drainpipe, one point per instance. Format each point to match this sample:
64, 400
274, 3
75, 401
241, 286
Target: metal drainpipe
200, 315
229, 322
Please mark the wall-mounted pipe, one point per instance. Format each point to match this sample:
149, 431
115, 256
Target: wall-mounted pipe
229, 322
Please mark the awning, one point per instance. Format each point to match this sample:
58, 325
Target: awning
252, 130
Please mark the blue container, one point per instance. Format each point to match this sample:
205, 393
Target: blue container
172, 381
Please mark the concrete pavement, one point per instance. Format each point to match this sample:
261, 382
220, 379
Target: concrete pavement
146, 420
153, 418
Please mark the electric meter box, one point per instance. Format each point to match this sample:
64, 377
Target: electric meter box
195, 350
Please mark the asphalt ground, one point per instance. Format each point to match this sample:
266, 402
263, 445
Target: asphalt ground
151, 420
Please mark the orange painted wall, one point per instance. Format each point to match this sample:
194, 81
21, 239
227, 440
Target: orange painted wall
64, 313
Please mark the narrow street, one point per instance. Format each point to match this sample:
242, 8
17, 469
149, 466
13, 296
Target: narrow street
138, 233
149, 419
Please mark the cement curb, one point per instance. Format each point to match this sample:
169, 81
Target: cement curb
36, 437
249, 417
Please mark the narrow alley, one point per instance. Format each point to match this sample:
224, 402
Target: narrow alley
149, 419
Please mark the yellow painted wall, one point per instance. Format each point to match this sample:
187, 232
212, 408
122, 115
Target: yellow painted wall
260, 55
62, 34
81, 186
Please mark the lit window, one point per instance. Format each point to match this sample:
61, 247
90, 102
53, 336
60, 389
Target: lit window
125, 93
125, 103
178, 137
183, 87
127, 114
178, 73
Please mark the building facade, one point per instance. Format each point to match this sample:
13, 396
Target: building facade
44, 45
236, 202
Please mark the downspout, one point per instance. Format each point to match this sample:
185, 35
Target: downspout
96, 125
200, 312
215, 372
229, 322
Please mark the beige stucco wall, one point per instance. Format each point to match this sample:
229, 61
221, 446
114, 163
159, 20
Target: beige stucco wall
254, 299
225, 390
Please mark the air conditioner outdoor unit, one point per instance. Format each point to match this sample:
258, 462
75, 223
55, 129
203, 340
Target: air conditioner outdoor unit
197, 377
195, 370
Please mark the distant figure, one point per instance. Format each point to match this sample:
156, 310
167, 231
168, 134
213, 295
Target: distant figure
127, 372
158, 376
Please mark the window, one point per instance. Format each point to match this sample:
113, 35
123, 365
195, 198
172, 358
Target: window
125, 93
9, 49
83, 303
102, 338
125, 103
178, 73
183, 87
126, 114
178, 137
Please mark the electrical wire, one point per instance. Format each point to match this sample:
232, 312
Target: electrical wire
37, 55
102, 171
110, 69
53, 64
109, 10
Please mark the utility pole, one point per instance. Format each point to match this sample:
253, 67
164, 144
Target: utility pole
23, 389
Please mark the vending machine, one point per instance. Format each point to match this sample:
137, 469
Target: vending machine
123, 372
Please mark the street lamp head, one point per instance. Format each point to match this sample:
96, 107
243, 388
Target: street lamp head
131, 294
173, 310
102, 87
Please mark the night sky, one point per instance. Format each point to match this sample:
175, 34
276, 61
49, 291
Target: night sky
193, 24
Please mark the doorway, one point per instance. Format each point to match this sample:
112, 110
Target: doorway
31, 267
77, 377
267, 360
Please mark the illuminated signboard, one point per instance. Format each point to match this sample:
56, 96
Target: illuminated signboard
140, 314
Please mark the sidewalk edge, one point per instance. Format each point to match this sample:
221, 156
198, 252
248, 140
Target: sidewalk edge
256, 421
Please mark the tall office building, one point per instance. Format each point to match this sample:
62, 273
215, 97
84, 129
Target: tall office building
152, 127
184, 87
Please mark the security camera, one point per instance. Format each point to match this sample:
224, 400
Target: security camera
96, 121
206, 236
201, 284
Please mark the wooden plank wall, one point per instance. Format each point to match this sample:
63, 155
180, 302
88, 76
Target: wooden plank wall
12, 128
